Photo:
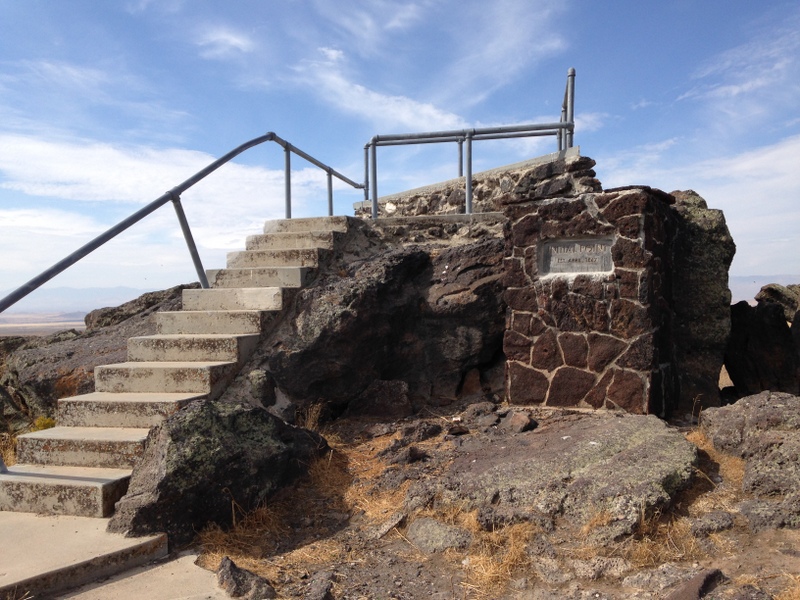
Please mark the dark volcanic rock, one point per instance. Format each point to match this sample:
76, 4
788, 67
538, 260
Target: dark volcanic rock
205, 457
765, 431
577, 467
424, 316
761, 353
788, 297
241, 583
702, 252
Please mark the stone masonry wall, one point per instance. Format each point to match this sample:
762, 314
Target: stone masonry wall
558, 173
588, 294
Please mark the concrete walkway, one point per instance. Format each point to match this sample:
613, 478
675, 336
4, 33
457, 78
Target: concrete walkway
45, 556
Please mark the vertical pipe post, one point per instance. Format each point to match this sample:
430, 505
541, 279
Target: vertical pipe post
460, 157
366, 173
468, 207
570, 106
330, 194
374, 166
187, 235
287, 179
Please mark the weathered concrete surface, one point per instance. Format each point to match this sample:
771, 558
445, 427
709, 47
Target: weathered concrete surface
203, 458
44, 555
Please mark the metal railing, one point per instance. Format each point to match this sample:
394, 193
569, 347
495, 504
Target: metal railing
174, 196
563, 130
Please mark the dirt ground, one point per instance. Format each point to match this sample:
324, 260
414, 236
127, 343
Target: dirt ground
346, 528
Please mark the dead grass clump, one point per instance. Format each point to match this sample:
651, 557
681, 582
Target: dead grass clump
792, 591
661, 539
600, 519
310, 417
494, 558
730, 468
8, 453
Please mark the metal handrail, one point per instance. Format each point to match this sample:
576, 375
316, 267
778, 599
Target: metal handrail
563, 130
174, 196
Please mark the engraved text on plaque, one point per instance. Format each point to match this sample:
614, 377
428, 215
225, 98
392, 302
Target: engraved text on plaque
589, 255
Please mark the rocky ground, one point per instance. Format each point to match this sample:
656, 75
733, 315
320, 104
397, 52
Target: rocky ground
490, 501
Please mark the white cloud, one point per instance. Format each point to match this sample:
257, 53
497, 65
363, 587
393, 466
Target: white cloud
758, 190
222, 209
751, 83
221, 42
385, 111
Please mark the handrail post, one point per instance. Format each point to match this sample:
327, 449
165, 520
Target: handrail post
460, 157
187, 235
570, 105
468, 194
366, 173
287, 179
330, 194
374, 165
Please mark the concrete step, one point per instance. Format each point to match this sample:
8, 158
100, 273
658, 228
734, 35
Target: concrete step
113, 447
191, 347
339, 224
285, 277
49, 555
60, 490
106, 409
212, 321
293, 257
257, 298
286, 241
200, 377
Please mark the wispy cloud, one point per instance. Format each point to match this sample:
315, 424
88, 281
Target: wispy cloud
752, 81
221, 42
758, 190
386, 111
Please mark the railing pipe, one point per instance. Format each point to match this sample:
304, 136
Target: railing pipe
460, 156
570, 106
366, 172
374, 175
330, 193
187, 235
287, 179
468, 183
174, 196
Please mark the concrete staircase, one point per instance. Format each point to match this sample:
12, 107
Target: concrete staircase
82, 466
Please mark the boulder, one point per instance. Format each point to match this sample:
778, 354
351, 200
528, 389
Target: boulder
764, 430
702, 251
761, 353
597, 470
205, 458
424, 315
787, 297
241, 583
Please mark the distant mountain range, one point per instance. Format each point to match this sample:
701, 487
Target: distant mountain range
76, 302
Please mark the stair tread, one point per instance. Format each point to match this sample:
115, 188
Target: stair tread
139, 397
63, 475
193, 336
171, 364
105, 434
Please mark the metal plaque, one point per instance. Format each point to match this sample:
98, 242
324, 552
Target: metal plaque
590, 255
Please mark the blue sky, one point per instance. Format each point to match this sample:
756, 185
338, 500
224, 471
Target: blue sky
104, 105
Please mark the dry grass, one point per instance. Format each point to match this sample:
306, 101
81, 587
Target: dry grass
8, 444
41, 422
310, 417
494, 558
792, 591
